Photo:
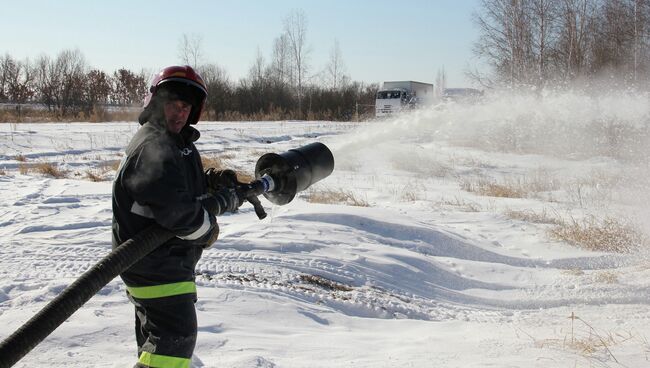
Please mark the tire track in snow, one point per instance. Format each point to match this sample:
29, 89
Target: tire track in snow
49, 234
408, 287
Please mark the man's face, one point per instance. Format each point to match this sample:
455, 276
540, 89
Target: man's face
176, 114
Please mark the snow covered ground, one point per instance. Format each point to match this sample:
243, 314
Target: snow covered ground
412, 267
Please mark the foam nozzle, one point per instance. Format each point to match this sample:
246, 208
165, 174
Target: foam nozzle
295, 170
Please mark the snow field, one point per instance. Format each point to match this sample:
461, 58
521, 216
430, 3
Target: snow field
427, 274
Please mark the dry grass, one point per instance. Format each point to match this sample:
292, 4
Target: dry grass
591, 233
2, 172
464, 205
24, 169
20, 158
605, 235
49, 169
223, 162
533, 217
595, 188
227, 156
110, 165
590, 344
584, 194
540, 180
101, 114
493, 189
324, 283
93, 176
588, 341
585, 340
26, 115
258, 153
526, 186
412, 196
44, 168
412, 193
279, 114
220, 162
124, 115
98, 114
245, 177
104, 171
606, 277
340, 196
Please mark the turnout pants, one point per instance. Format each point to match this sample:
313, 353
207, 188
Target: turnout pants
166, 333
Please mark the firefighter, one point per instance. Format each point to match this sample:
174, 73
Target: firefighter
161, 181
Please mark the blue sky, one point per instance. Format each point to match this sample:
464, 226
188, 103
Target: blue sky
379, 39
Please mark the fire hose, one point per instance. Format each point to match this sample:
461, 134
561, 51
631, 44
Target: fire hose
279, 177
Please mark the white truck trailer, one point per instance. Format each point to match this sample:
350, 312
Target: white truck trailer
398, 96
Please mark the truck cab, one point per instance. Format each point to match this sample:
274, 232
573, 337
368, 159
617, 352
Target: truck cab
393, 100
401, 96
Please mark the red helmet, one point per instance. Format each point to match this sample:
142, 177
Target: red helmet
182, 81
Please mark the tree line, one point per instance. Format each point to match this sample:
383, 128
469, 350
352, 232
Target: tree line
550, 42
285, 87
66, 85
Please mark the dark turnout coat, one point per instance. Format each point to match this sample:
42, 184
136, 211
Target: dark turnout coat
161, 180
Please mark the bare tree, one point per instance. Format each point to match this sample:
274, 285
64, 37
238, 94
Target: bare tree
638, 29
219, 89
280, 67
614, 26
257, 71
281, 77
641, 39
128, 88
73, 66
20, 86
621, 46
505, 40
535, 41
61, 82
7, 69
45, 83
295, 27
190, 51
575, 37
544, 23
212, 72
335, 70
98, 88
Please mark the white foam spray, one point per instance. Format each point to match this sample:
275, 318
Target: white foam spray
572, 127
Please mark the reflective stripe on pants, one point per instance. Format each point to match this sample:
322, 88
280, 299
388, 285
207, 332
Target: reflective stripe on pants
163, 361
166, 334
161, 291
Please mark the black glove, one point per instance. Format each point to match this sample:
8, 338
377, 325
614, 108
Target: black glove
225, 200
219, 179
213, 236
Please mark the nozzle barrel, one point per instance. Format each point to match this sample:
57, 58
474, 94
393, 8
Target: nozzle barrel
295, 170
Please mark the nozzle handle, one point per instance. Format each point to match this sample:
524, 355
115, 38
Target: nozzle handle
257, 205
252, 190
